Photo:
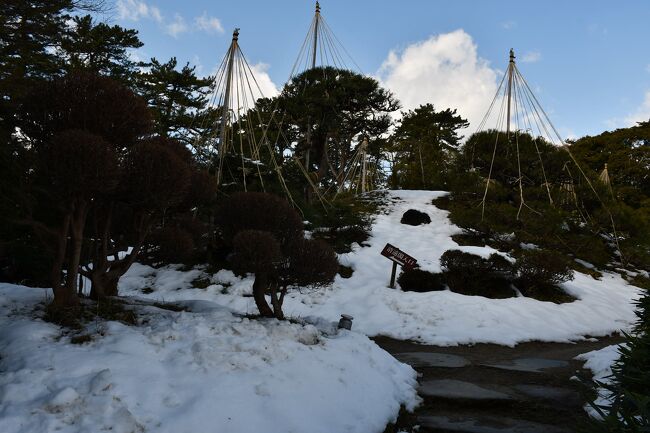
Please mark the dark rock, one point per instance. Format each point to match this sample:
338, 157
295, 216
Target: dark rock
432, 359
530, 365
459, 389
486, 424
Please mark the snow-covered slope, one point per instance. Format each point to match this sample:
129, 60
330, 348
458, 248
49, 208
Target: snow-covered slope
192, 372
444, 318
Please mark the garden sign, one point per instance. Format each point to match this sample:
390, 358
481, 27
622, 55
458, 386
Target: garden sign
398, 257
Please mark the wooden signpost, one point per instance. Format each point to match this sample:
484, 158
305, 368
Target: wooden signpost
398, 257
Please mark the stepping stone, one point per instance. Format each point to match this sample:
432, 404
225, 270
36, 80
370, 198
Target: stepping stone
458, 389
432, 359
561, 395
529, 365
485, 424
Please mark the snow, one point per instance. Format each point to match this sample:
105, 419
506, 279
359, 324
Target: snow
192, 371
600, 363
602, 307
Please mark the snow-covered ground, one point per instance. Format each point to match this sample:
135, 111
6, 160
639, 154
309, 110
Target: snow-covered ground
600, 363
444, 318
210, 369
191, 372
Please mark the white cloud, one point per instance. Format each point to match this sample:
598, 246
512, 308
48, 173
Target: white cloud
641, 114
196, 61
208, 24
508, 25
647, 68
531, 57
444, 70
134, 10
177, 26
267, 86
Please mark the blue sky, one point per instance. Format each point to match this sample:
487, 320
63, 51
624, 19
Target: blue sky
588, 61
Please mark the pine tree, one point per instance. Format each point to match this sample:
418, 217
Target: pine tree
100, 48
176, 98
29, 34
332, 109
423, 146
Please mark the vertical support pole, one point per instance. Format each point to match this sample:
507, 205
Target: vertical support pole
313, 65
511, 67
226, 99
315, 47
392, 275
364, 154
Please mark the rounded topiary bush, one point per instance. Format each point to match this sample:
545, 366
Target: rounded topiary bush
417, 280
311, 261
172, 245
469, 274
265, 235
538, 273
258, 211
414, 217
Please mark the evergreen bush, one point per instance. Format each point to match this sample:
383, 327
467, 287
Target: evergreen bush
469, 274
414, 217
628, 410
172, 245
265, 235
538, 273
417, 280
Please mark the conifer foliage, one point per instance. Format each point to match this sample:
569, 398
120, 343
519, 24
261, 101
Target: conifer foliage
98, 182
628, 410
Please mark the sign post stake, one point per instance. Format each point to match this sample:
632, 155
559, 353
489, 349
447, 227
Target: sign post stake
398, 257
392, 275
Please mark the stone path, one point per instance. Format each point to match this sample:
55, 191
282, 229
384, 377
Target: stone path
487, 388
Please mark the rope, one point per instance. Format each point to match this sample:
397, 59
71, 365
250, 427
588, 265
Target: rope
575, 161
494, 152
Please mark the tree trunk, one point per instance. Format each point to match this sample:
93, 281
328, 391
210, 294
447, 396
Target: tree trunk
105, 275
76, 234
103, 285
277, 304
63, 295
259, 288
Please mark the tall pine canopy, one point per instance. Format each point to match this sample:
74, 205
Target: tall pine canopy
100, 48
423, 147
177, 99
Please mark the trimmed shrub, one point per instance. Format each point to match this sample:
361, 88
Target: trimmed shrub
258, 211
414, 217
538, 273
311, 261
174, 245
255, 251
417, 280
266, 237
469, 274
